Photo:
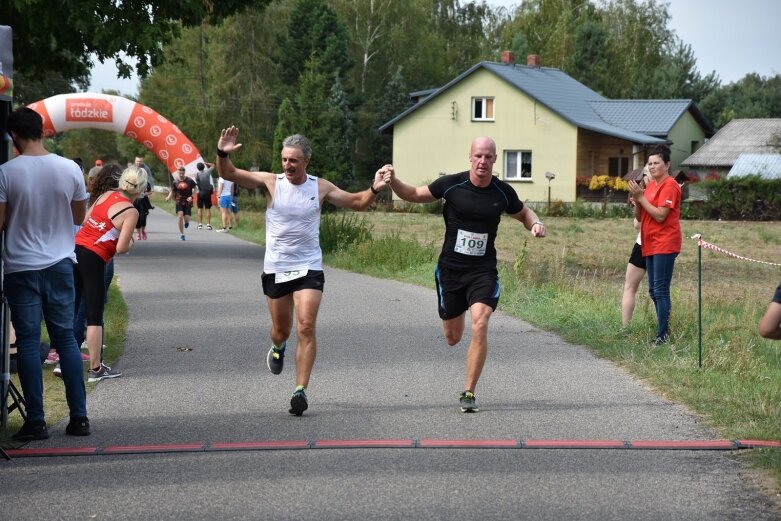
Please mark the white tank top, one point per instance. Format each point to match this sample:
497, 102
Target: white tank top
293, 227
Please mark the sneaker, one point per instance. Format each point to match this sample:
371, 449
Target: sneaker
52, 358
298, 403
182, 237
275, 359
31, 431
84, 346
200, 227
57, 371
660, 340
78, 426
468, 402
102, 373
209, 227
186, 225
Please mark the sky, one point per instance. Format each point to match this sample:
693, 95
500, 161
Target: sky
731, 37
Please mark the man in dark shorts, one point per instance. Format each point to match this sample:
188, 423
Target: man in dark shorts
203, 178
293, 263
466, 273
182, 189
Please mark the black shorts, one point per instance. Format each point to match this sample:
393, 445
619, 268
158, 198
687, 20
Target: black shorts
186, 209
205, 200
314, 279
458, 290
636, 258
777, 295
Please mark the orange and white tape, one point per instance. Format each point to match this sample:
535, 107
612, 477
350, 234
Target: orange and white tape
705, 244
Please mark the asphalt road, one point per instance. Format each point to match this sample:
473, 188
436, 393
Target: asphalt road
194, 373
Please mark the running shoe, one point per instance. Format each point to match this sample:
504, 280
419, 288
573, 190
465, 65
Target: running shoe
52, 358
200, 227
102, 373
468, 402
186, 225
182, 237
78, 426
298, 403
275, 359
57, 371
209, 227
31, 431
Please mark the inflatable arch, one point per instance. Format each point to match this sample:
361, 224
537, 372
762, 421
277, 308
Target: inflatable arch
118, 114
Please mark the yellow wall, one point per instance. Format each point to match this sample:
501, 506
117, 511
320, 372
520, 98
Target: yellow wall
685, 130
435, 139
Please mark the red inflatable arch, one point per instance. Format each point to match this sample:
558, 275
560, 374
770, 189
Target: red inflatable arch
118, 114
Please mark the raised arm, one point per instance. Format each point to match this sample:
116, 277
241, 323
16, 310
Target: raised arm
407, 192
358, 201
226, 169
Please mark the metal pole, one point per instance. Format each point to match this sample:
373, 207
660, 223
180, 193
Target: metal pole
699, 303
548, 196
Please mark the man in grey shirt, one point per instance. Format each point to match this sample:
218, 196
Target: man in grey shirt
42, 196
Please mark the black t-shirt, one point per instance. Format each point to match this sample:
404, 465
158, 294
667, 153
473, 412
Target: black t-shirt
472, 216
183, 188
777, 296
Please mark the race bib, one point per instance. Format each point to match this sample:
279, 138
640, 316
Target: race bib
287, 276
470, 243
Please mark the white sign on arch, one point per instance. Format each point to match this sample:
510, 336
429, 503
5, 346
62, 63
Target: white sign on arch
124, 116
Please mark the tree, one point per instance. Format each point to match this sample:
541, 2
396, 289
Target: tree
340, 134
753, 96
286, 126
592, 57
314, 30
62, 36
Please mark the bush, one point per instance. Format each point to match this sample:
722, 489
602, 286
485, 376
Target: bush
750, 198
340, 230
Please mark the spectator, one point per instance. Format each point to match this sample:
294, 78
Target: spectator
770, 325
39, 256
205, 190
658, 208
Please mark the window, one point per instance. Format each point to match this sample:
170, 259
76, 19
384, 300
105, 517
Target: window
518, 165
618, 166
482, 109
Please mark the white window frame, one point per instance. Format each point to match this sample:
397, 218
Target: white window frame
487, 108
517, 174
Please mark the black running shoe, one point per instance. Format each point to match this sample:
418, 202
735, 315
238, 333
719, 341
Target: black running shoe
275, 359
78, 426
298, 403
31, 431
468, 402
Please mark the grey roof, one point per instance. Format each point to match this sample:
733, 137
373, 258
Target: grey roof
739, 136
654, 117
767, 166
554, 89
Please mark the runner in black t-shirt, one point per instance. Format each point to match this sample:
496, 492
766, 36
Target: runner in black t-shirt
182, 189
466, 274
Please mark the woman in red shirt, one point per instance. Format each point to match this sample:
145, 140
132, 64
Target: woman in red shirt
107, 230
658, 208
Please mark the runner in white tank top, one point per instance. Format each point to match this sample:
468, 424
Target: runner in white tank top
293, 279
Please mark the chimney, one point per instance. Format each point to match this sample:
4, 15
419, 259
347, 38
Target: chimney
508, 57
533, 60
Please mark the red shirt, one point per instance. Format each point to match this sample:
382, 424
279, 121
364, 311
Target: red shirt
98, 234
663, 237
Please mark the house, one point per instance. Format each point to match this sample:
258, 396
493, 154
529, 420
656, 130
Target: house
767, 166
543, 121
740, 136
